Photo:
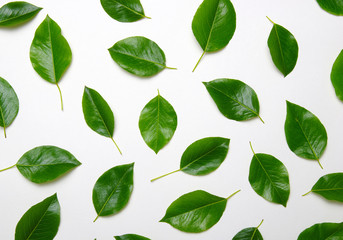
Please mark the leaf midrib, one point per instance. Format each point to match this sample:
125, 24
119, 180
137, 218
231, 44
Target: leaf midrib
158, 120
52, 51
33, 165
130, 9
308, 142
9, 19
278, 38
210, 34
326, 189
143, 59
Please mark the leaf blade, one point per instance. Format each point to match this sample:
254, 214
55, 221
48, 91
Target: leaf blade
16, 13
330, 187
131, 237
334, 7
251, 233
322, 231
124, 11
336, 76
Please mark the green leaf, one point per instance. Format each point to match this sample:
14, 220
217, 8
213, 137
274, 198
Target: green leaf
50, 53
112, 191
251, 233
305, 134
213, 25
9, 104
337, 76
16, 13
323, 231
130, 237
283, 48
203, 156
139, 56
334, 7
234, 99
329, 186
98, 114
269, 178
41, 221
195, 211
124, 10
157, 123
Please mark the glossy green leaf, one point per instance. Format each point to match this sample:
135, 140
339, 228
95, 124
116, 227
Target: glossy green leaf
41, 221
337, 75
251, 233
98, 114
234, 99
50, 53
130, 237
112, 191
15, 13
157, 123
139, 56
305, 134
9, 104
124, 10
203, 156
195, 211
323, 231
213, 25
269, 178
334, 7
283, 48
45, 163
330, 187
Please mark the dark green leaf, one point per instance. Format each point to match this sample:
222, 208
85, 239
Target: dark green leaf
41, 221
330, 187
203, 156
269, 178
112, 191
334, 7
283, 48
157, 123
337, 75
50, 53
234, 99
46, 163
98, 114
124, 10
9, 104
251, 233
305, 134
15, 13
139, 56
213, 25
323, 231
130, 237
195, 211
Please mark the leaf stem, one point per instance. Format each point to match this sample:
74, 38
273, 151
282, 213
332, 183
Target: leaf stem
116, 146
170, 68
8, 168
260, 223
252, 148
96, 218
154, 179
60, 96
270, 20
199, 61
319, 163
5, 131
306, 193
260, 118
147, 17
233, 194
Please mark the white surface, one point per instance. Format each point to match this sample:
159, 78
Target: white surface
90, 32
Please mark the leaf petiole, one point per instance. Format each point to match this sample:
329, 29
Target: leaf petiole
233, 194
8, 168
199, 61
5, 131
260, 224
170, 68
270, 20
306, 193
152, 180
116, 146
59, 90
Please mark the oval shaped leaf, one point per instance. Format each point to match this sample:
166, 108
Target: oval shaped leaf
9, 104
124, 10
41, 221
283, 48
213, 25
50, 53
305, 134
269, 178
157, 123
234, 99
15, 13
130, 237
337, 76
323, 231
334, 7
139, 56
46, 163
98, 114
330, 187
251, 233
195, 211
112, 191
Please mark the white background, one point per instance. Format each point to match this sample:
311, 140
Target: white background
90, 32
